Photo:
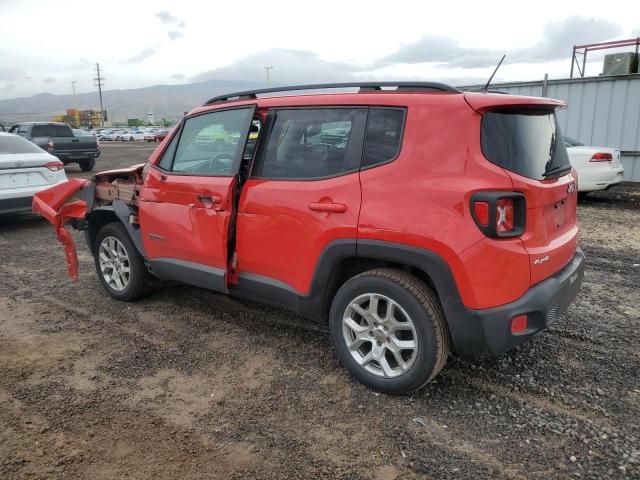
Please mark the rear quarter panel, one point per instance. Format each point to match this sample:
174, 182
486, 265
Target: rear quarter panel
422, 199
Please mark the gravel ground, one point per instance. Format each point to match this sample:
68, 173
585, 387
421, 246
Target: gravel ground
191, 384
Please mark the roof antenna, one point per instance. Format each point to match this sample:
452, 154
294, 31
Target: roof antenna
486, 87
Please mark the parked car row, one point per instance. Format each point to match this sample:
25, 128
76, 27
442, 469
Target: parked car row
129, 135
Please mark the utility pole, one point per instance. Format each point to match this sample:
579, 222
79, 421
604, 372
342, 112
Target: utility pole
99, 82
268, 71
73, 90
76, 115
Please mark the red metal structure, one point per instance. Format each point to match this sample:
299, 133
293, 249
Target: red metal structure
590, 47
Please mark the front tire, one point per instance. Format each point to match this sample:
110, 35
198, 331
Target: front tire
389, 330
120, 267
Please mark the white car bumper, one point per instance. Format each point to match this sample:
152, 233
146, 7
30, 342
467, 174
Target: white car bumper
599, 179
19, 199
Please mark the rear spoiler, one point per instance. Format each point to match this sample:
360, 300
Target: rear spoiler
483, 102
51, 204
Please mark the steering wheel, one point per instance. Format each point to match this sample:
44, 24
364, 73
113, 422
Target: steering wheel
220, 162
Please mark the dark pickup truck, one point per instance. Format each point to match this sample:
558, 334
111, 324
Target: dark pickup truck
58, 139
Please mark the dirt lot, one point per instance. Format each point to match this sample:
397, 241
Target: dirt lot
190, 384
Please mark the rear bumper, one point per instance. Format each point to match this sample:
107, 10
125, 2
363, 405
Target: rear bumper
14, 205
488, 331
600, 180
76, 156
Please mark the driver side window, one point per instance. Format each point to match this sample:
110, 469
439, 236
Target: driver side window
209, 144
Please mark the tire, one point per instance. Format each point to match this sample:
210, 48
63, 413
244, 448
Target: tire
418, 318
114, 237
582, 196
87, 165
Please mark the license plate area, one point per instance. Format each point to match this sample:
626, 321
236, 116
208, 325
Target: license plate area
15, 180
560, 213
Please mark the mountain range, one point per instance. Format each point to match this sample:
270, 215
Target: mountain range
165, 101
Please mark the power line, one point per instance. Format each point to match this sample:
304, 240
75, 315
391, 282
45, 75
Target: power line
99, 82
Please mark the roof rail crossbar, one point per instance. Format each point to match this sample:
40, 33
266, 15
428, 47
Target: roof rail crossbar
365, 87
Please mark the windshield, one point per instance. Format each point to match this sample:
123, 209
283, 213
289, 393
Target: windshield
526, 142
13, 144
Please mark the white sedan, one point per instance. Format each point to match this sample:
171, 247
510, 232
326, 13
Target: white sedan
598, 168
25, 169
131, 136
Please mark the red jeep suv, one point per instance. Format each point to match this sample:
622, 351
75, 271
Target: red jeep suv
416, 219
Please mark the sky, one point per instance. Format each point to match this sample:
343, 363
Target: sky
45, 45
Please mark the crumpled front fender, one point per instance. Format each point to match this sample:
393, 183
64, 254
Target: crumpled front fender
51, 204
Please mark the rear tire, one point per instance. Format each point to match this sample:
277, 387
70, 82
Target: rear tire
393, 353
582, 196
119, 265
87, 165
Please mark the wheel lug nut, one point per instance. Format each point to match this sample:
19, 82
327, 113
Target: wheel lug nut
379, 343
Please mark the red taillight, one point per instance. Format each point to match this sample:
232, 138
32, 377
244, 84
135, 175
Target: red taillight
504, 215
519, 324
601, 157
481, 210
55, 166
499, 214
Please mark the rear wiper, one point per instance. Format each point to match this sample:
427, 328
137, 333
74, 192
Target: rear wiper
559, 169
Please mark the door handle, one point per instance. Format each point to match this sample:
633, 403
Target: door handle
328, 207
211, 201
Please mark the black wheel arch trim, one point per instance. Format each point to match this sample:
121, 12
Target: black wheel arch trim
119, 209
314, 304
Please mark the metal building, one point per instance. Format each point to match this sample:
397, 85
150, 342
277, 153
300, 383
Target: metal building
602, 111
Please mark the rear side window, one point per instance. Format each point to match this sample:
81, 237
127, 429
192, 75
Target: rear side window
384, 136
526, 142
313, 143
13, 144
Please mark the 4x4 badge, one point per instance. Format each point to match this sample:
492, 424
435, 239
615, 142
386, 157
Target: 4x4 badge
571, 187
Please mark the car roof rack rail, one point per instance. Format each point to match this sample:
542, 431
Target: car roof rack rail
366, 87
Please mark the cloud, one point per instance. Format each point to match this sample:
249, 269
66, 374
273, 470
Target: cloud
8, 87
166, 18
49, 80
178, 76
560, 37
289, 66
11, 74
143, 55
557, 42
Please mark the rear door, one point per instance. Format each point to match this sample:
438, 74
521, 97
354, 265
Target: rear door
186, 200
528, 144
303, 193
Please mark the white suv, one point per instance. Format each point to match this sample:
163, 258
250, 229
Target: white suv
25, 169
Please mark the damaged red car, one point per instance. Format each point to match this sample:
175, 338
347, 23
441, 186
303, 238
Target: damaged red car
414, 218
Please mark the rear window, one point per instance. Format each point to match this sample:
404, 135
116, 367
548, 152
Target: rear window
526, 142
14, 144
384, 134
51, 131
